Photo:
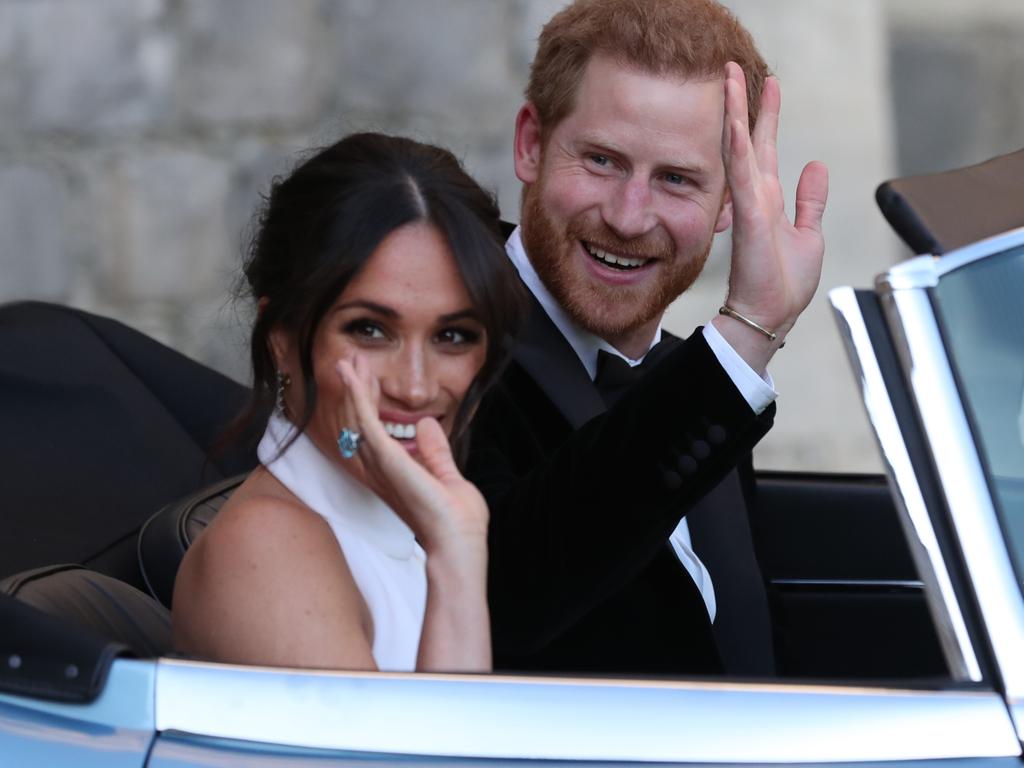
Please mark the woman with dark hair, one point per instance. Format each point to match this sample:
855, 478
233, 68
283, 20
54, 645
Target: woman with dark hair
384, 301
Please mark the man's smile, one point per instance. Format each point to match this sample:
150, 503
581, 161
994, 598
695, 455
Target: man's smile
613, 260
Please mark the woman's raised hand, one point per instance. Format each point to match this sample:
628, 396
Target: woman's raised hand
443, 509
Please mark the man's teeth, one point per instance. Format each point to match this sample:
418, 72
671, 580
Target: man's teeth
611, 258
400, 431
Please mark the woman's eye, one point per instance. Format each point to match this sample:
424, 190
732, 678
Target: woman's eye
365, 329
458, 336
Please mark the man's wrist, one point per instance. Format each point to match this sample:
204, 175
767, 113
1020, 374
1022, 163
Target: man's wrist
757, 388
755, 347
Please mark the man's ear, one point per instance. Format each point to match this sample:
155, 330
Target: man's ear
527, 147
724, 220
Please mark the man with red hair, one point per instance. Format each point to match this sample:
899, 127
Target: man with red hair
608, 452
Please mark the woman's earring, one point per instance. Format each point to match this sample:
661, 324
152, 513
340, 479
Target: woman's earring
283, 380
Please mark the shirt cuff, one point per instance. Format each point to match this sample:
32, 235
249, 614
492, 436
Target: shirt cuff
759, 393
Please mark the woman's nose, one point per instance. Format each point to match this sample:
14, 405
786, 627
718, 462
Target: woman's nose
410, 379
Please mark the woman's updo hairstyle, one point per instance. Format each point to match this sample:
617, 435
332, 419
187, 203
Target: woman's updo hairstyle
320, 225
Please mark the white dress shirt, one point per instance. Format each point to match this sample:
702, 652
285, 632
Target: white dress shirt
758, 392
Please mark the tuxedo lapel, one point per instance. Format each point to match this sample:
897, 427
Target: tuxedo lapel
553, 364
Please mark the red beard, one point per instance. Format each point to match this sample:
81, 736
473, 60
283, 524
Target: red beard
605, 310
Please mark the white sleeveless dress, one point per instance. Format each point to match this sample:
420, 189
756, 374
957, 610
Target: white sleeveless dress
388, 566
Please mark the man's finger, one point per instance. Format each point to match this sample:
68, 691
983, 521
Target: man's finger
811, 195
740, 164
736, 93
766, 132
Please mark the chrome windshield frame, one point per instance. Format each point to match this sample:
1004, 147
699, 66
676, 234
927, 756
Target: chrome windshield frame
916, 522
910, 314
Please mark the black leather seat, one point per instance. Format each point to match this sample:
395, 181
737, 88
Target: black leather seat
100, 605
102, 426
167, 535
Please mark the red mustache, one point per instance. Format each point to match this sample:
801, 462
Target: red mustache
653, 245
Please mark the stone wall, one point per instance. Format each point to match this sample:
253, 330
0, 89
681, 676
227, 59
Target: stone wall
137, 135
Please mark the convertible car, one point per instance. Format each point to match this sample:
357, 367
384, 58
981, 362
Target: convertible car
897, 600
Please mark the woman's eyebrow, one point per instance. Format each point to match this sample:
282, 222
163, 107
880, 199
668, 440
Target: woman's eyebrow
468, 313
380, 309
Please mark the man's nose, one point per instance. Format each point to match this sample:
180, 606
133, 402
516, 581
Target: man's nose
410, 380
628, 211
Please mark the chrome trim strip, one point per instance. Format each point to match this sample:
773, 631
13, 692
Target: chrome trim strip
963, 481
918, 272
925, 271
981, 249
575, 719
917, 524
900, 584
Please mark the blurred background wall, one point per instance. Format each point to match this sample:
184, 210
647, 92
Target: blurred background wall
136, 137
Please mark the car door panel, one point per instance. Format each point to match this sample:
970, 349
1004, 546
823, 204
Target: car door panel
846, 599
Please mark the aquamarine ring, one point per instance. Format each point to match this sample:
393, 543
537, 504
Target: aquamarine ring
348, 442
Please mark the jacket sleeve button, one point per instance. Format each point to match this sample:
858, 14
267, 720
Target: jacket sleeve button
716, 434
687, 465
671, 480
700, 450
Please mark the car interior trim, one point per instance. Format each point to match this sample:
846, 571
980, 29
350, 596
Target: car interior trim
125, 703
578, 719
921, 537
963, 480
903, 585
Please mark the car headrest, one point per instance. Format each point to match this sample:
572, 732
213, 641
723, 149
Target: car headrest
940, 212
168, 534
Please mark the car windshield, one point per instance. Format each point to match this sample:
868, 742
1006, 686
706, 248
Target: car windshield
982, 313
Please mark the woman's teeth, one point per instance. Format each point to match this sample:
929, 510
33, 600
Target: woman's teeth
400, 431
613, 260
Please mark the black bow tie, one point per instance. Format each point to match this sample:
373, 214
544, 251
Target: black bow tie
615, 375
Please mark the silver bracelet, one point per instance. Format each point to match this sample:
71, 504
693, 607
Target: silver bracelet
730, 312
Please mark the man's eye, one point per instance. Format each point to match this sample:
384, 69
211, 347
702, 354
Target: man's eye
675, 178
601, 160
365, 329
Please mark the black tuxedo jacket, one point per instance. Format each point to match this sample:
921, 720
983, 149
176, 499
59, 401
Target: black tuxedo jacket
583, 501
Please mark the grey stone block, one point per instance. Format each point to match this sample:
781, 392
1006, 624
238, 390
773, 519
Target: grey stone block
34, 258
161, 224
532, 18
12, 84
447, 59
87, 66
956, 85
248, 61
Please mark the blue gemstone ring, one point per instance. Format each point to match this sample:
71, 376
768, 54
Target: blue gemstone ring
348, 443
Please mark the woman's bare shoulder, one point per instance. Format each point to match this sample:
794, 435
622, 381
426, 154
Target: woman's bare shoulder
266, 564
